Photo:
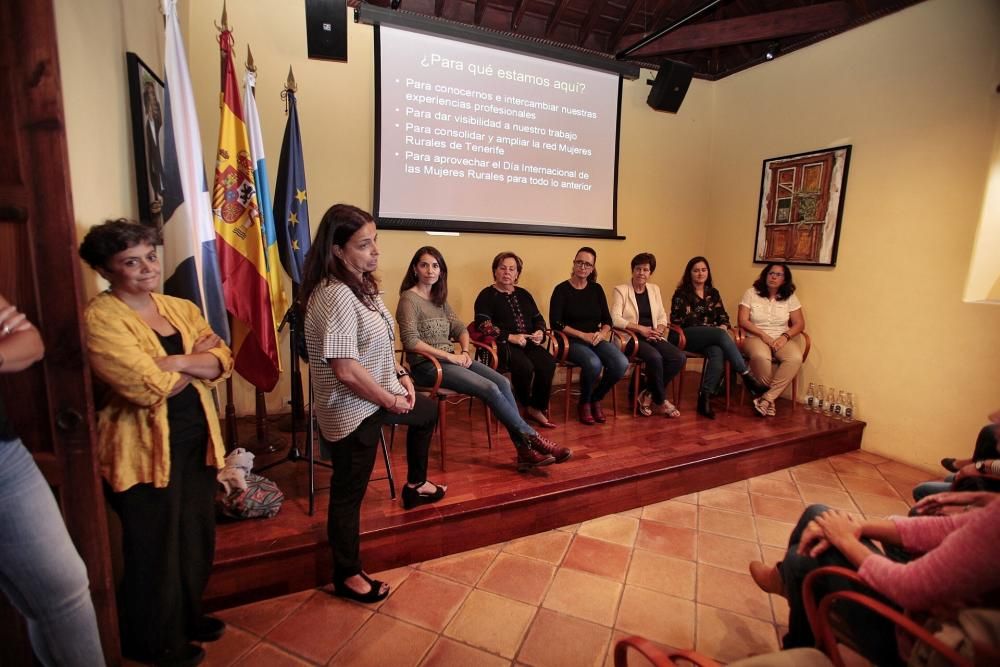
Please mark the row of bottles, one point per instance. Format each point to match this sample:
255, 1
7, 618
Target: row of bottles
830, 402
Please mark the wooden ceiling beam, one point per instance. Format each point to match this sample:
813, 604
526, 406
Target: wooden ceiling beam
593, 14
480, 10
553, 22
631, 9
755, 28
515, 16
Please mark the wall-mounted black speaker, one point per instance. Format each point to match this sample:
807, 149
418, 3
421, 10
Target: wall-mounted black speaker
326, 29
670, 86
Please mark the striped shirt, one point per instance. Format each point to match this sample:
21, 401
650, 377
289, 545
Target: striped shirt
339, 326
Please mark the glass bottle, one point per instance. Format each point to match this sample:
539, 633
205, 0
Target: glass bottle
831, 396
838, 407
849, 408
818, 403
811, 397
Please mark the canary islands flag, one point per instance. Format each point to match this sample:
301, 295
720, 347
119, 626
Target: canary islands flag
240, 239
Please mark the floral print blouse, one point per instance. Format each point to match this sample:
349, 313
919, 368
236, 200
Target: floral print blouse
687, 309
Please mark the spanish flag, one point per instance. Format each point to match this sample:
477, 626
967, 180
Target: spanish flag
240, 239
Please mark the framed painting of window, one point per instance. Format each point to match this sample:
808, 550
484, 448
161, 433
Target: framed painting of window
801, 207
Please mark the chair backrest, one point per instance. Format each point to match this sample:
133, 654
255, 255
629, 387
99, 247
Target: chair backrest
825, 631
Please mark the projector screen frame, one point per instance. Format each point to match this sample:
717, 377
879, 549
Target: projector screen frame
447, 30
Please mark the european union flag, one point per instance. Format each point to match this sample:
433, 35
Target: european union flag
291, 207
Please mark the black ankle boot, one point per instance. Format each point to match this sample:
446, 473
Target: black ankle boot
753, 385
705, 405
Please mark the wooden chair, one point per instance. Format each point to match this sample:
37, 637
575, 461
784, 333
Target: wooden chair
559, 347
681, 345
628, 343
444, 396
491, 354
824, 624
807, 345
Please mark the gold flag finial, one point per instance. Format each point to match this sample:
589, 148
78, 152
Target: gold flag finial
249, 63
290, 83
225, 20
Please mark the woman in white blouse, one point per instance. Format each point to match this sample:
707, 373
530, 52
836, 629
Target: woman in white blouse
771, 315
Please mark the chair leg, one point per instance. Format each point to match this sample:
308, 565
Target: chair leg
442, 422
727, 370
679, 386
489, 424
614, 399
388, 465
569, 383
636, 376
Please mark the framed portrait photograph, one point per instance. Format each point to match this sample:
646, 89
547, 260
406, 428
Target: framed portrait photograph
147, 113
801, 206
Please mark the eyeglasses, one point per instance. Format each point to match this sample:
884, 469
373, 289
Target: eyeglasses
581, 263
776, 274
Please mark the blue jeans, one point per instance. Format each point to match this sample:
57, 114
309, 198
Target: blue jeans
484, 383
718, 347
874, 633
41, 572
925, 489
592, 359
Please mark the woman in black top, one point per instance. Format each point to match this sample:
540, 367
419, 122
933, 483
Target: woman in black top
508, 314
580, 310
697, 308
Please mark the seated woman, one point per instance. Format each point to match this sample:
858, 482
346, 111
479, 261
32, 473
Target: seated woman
950, 561
771, 315
358, 387
427, 324
982, 471
159, 442
638, 307
697, 309
579, 309
508, 314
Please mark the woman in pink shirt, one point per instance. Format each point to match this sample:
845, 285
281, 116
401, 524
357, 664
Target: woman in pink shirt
941, 561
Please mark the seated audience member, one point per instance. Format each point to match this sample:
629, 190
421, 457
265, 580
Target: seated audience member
982, 471
41, 573
952, 562
358, 386
579, 309
771, 315
697, 308
428, 324
508, 314
159, 442
638, 307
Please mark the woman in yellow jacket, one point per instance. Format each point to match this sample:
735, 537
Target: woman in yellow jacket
159, 442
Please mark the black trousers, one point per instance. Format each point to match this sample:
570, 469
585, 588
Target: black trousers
168, 543
353, 458
531, 370
986, 444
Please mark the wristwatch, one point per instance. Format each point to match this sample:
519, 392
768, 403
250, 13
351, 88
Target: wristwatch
402, 373
980, 466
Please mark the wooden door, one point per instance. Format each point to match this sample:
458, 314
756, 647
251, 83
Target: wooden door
50, 404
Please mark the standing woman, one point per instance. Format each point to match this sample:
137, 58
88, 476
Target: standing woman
357, 386
159, 442
772, 316
427, 324
697, 309
638, 307
508, 314
579, 309
41, 573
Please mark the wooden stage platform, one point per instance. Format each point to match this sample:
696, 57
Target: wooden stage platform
627, 462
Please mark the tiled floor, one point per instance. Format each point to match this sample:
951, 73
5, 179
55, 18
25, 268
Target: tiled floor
674, 572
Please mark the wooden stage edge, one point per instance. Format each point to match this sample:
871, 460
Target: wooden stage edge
300, 559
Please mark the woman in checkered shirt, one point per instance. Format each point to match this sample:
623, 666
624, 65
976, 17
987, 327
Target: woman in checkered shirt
357, 386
